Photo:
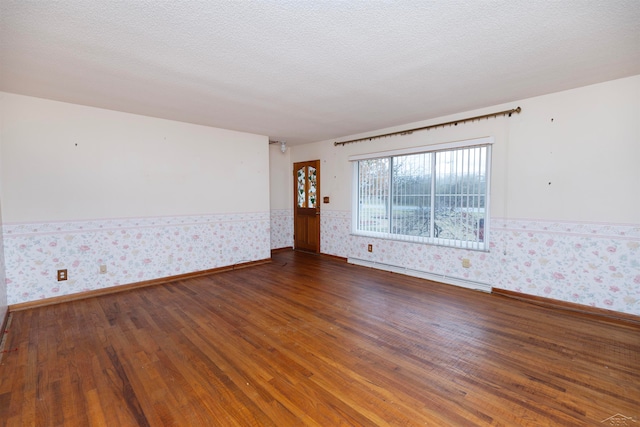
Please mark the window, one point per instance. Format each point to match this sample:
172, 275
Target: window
435, 194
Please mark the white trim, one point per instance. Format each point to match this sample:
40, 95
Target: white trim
424, 149
449, 280
436, 241
483, 142
487, 205
355, 205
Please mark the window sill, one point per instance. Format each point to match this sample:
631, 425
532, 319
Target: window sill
470, 246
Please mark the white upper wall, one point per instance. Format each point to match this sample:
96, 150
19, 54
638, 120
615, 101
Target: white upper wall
575, 155
3, 283
589, 153
280, 177
67, 162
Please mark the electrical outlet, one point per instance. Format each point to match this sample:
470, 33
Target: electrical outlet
103, 269
370, 248
466, 262
62, 275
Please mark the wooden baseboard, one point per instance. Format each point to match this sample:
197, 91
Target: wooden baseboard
3, 324
290, 248
6, 325
594, 312
278, 250
122, 288
336, 257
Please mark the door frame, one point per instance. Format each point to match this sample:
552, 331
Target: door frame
296, 167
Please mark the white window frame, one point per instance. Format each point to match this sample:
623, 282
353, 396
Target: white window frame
481, 246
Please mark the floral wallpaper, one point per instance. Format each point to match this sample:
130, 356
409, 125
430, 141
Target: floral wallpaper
335, 230
134, 250
3, 285
584, 263
281, 228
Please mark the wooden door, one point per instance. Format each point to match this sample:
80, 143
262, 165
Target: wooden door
306, 215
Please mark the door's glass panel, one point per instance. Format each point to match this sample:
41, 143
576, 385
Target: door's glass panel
312, 187
302, 199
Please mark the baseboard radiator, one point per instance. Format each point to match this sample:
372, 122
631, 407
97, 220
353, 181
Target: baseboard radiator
456, 281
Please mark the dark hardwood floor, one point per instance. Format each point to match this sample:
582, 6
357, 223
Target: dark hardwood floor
310, 340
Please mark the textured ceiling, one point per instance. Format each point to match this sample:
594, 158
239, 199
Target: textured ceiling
305, 71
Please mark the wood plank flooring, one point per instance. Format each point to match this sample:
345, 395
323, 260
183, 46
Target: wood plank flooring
310, 340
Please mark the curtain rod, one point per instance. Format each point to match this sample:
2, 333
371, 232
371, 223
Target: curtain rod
454, 122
